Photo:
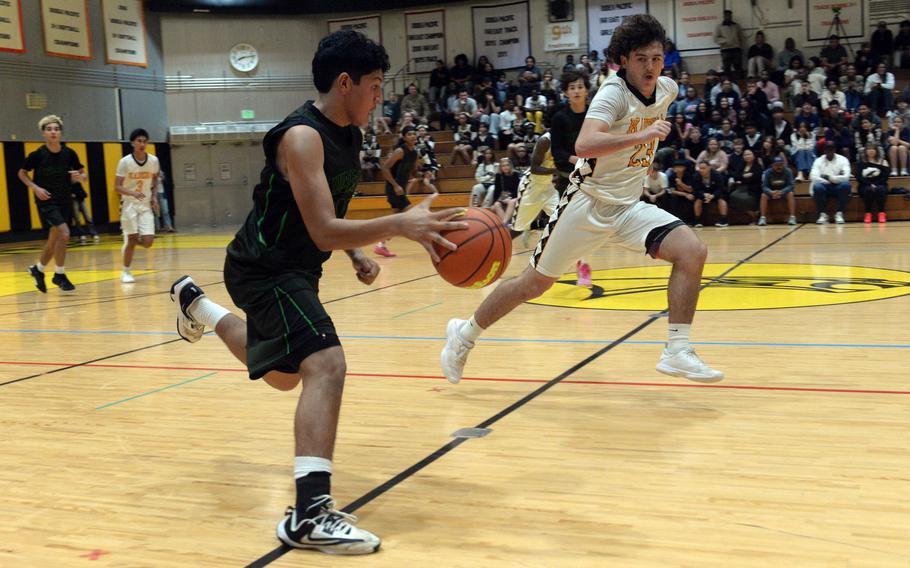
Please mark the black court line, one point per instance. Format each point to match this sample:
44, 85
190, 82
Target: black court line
377, 491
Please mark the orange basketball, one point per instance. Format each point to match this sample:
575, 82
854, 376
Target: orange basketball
484, 251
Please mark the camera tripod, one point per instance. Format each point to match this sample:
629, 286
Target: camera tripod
837, 27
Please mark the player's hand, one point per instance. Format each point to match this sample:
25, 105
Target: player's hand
366, 268
75, 176
156, 208
399, 190
660, 130
690, 197
138, 195
424, 226
41, 193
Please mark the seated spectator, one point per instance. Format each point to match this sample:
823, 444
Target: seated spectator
735, 159
505, 190
604, 72
878, 90
770, 88
535, 104
842, 137
817, 75
672, 59
485, 175
549, 87
683, 84
727, 92
872, 181
713, 126
688, 105
521, 162
756, 97
805, 95
832, 113
462, 73
771, 150
853, 97
865, 113
489, 111
439, 82
504, 88
484, 71
506, 124
777, 183
694, 146
851, 75
426, 151
701, 114
780, 127
679, 132
711, 81
833, 93
802, 148
657, 189
832, 54
867, 133
830, 177
464, 137
715, 158
759, 56
680, 182
407, 120
370, 152
753, 138
726, 137
864, 61
807, 114
784, 58
882, 44
584, 65
483, 140
529, 78
745, 185
390, 114
726, 111
570, 63
900, 110
897, 144
415, 103
793, 72
709, 186
525, 137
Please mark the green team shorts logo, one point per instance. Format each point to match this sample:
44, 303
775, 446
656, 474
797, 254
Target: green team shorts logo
747, 287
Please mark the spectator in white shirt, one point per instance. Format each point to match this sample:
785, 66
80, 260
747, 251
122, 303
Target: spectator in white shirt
833, 93
830, 177
878, 90
534, 106
485, 175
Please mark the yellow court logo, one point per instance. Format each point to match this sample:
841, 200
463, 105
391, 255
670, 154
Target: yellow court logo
747, 287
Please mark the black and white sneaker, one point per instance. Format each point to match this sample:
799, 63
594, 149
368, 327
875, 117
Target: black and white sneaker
39, 278
61, 281
184, 293
330, 531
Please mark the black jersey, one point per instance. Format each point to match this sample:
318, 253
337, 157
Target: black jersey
52, 171
274, 235
401, 170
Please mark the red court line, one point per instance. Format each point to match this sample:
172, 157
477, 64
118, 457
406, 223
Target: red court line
488, 379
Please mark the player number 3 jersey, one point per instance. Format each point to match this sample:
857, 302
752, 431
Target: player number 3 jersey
138, 177
618, 177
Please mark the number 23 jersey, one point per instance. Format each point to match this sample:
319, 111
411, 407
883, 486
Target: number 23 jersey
618, 177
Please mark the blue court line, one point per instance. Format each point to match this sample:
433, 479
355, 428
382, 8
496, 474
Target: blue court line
153, 391
513, 340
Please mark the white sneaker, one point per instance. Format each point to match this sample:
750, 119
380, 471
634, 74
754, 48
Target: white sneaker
126, 277
687, 364
822, 219
330, 531
839, 218
762, 221
184, 294
455, 354
791, 220
904, 172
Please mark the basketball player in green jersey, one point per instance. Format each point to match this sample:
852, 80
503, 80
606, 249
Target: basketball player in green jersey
274, 264
398, 171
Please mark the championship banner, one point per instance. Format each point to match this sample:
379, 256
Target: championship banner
502, 33
12, 38
820, 19
605, 17
367, 25
66, 31
426, 39
695, 23
561, 36
124, 32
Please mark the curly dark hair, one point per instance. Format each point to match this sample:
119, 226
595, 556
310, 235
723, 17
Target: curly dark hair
572, 76
634, 32
346, 51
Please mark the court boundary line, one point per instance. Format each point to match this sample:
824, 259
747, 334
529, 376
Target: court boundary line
379, 490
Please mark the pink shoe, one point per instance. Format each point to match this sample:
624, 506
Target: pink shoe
882, 218
867, 218
583, 270
383, 251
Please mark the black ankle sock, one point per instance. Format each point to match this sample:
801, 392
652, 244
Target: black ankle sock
309, 487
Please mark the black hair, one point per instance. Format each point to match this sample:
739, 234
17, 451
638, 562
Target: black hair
346, 51
137, 133
634, 32
570, 77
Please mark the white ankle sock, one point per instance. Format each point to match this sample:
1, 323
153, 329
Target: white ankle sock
470, 331
678, 338
60, 270
304, 465
207, 312
126, 268
40, 266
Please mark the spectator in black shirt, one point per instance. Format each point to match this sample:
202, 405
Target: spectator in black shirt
833, 54
872, 178
462, 73
709, 187
439, 82
566, 124
902, 46
745, 185
505, 190
759, 56
882, 44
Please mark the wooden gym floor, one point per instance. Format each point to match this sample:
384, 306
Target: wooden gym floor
124, 446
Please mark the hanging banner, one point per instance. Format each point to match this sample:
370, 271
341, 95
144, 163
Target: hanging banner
502, 33
605, 17
821, 24
12, 38
561, 36
695, 23
124, 32
367, 25
426, 39
66, 31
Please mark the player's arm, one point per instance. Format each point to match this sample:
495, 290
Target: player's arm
39, 191
300, 160
118, 187
537, 156
386, 168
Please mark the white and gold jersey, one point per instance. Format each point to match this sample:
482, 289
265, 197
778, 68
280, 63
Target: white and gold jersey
617, 178
138, 177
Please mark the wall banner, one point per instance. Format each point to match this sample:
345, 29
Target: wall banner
426, 39
124, 32
502, 32
66, 28
604, 17
367, 25
12, 38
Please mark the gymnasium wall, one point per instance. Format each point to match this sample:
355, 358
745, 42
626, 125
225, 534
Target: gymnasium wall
18, 213
84, 93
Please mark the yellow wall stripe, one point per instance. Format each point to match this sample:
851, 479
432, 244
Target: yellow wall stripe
4, 194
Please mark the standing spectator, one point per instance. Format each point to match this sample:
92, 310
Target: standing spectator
672, 59
878, 90
830, 177
872, 181
85, 224
485, 175
802, 148
777, 183
164, 209
833, 93
439, 81
897, 144
883, 44
745, 185
729, 36
416, 104
709, 187
759, 56
902, 46
832, 54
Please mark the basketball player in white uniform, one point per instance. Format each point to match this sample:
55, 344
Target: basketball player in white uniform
536, 192
137, 178
617, 141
